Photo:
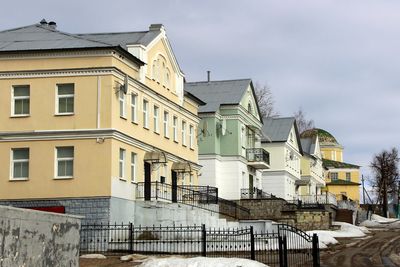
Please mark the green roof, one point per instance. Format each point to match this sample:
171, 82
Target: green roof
327, 163
324, 136
342, 182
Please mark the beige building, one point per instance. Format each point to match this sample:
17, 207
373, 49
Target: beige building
85, 119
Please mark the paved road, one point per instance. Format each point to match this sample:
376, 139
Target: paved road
380, 249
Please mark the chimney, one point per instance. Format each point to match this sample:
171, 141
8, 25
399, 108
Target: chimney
156, 27
52, 25
208, 75
43, 22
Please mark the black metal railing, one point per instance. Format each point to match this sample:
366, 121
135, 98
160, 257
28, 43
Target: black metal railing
288, 246
299, 204
204, 197
254, 193
257, 155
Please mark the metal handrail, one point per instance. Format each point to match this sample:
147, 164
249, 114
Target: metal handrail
255, 193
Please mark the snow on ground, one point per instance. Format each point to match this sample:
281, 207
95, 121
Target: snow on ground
200, 262
381, 222
327, 237
93, 256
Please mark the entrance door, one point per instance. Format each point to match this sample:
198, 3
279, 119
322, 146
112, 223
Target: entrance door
251, 186
147, 181
174, 178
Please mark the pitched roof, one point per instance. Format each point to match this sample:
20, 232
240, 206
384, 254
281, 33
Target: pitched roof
277, 129
43, 37
217, 93
308, 145
342, 182
338, 165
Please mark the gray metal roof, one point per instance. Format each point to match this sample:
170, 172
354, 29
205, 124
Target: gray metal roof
44, 37
277, 129
217, 93
308, 145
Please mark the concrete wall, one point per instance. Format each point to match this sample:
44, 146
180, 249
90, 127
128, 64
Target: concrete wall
34, 238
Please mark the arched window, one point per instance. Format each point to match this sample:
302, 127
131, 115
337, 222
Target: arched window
154, 74
167, 78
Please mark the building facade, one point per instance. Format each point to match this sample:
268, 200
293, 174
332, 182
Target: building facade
230, 137
283, 142
342, 179
87, 119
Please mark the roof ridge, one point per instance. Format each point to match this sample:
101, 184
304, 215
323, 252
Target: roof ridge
17, 28
213, 81
103, 33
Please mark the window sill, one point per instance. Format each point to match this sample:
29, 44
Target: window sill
176, 141
192, 148
18, 179
122, 179
184, 145
146, 128
64, 178
20, 116
157, 133
166, 137
121, 117
64, 114
135, 122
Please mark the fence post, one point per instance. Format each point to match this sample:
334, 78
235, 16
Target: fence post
285, 252
315, 250
156, 190
203, 240
280, 243
130, 237
252, 245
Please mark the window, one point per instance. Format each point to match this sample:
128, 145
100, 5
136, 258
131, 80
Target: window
65, 98
20, 163
166, 124
65, 162
21, 100
183, 133
175, 128
145, 113
348, 176
134, 108
249, 107
122, 163
133, 166
155, 119
167, 78
334, 176
191, 136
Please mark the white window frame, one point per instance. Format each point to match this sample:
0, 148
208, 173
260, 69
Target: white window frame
12, 161
64, 159
121, 163
122, 104
191, 136
156, 119
175, 128
13, 98
58, 97
348, 176
133, 166
332, 178
166, 124
134, 101
145, 109
183, 132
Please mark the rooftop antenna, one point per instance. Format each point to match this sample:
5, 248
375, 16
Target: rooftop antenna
208, 75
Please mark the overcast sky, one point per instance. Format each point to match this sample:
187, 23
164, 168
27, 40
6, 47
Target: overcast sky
339, 60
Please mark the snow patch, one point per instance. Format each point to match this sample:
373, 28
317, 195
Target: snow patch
201, 262
93, 256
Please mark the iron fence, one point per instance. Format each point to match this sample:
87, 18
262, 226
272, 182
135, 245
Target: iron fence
288, 246
203, 197
255, 193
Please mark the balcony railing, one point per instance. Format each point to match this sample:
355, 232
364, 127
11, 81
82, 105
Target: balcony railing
258, 158
325, 198
255, 193
197, 196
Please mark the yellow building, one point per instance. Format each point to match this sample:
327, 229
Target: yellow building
85, 119
342, 179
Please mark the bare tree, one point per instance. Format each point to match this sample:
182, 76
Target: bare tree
386, 176
303, 123
265, 101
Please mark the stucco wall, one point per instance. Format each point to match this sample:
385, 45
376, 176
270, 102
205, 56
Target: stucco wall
34, 238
